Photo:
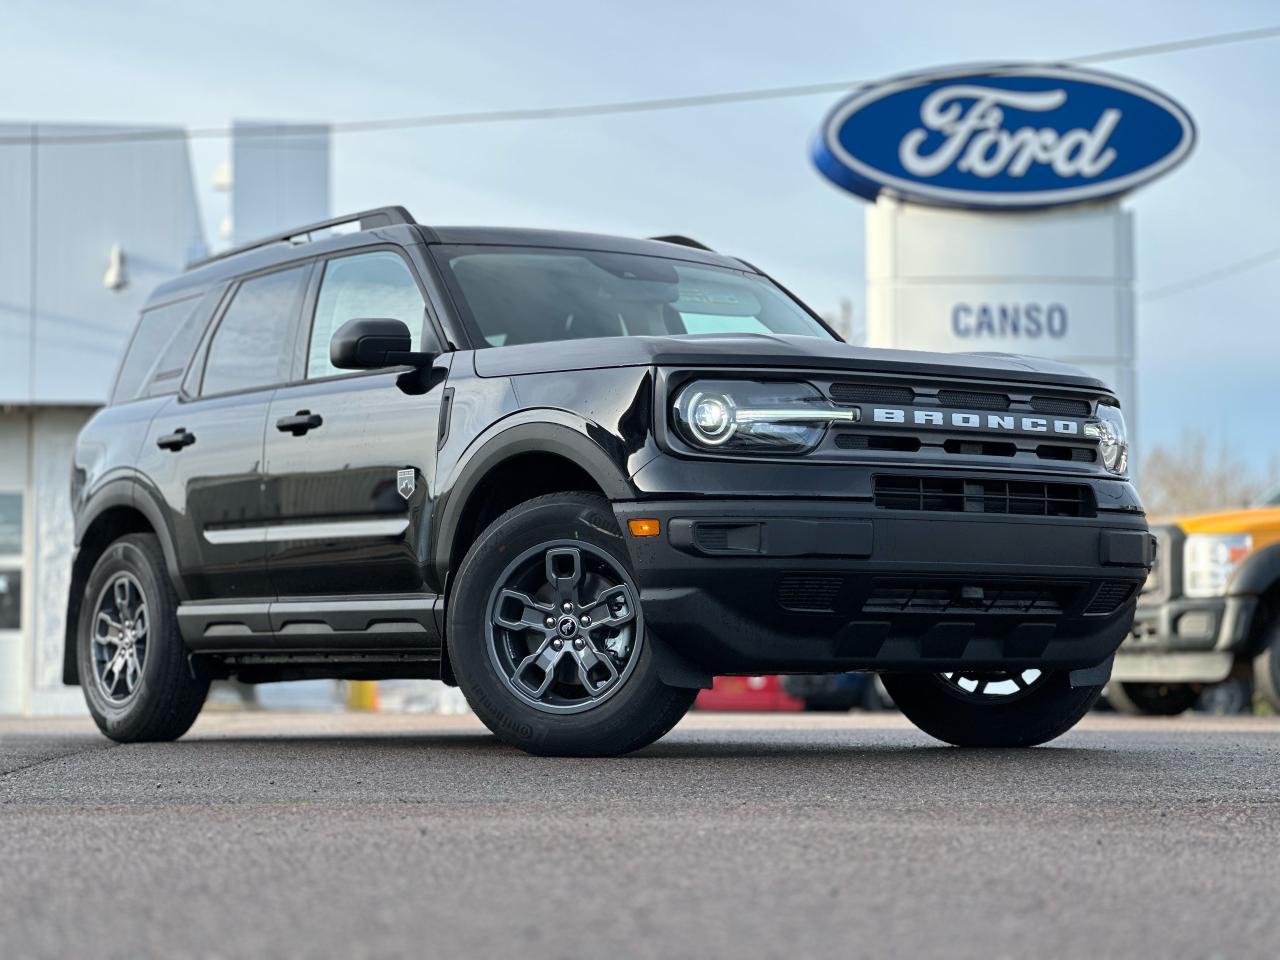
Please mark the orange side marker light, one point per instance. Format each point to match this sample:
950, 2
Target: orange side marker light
644, 528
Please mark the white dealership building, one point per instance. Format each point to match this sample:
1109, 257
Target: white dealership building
91, 220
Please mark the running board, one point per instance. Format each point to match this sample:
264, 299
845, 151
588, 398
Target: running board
312, 625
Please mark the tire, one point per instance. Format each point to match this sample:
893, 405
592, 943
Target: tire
498, 667
1046, 709
1152, 699
1266, 669
165, 698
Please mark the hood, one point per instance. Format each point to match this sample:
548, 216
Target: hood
1260, 521
770, 350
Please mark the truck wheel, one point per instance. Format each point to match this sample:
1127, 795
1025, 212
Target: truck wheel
546, 635
1152, 699
1266, 669
990, 708
133, 665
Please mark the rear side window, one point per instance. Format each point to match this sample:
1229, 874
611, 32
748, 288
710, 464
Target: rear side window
164, 338
251, 345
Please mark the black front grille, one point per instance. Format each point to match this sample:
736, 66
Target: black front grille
1064, 406
1053, 451
1030, 498
842, 392
861, 441
972, 400
809, 592
1109, 598
945, 598
981, 448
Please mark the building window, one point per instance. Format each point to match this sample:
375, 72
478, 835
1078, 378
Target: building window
10, 561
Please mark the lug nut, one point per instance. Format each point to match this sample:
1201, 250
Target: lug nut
550, 621
566, 606
578, 644
585, 620
557, 643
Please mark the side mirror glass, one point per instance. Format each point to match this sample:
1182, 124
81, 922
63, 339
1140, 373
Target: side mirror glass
370, 343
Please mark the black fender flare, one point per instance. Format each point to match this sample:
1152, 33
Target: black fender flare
530, 431
126, 492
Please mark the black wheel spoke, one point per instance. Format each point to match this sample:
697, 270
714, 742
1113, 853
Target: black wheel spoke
564, 572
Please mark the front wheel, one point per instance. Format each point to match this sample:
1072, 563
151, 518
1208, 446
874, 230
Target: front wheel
546, 634
1266, 669
992, 708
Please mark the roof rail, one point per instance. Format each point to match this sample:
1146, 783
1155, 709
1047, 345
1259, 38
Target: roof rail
368, 219
684, 242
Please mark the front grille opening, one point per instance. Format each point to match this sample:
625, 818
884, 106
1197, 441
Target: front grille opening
862, 441
1066, 406
981, 448
809, 592
973, 400
1053, 451
1029, 498
843, 392
947, 598
1109, 598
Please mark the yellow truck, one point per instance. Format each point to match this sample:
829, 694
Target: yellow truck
1209, 611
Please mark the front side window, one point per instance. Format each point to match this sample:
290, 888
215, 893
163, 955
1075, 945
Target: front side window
368, 285
511, 295
250, 348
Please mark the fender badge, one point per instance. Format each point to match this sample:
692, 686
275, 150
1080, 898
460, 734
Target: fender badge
406, 482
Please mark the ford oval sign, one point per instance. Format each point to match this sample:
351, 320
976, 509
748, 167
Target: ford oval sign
1003, 137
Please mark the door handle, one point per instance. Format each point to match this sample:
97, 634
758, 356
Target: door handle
177, 440
299, 423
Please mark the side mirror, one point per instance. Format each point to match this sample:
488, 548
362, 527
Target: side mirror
373, 342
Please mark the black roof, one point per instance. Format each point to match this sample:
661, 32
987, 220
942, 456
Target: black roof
395, 224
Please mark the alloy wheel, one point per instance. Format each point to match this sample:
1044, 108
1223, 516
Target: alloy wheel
119, 638
564, 626
992, 686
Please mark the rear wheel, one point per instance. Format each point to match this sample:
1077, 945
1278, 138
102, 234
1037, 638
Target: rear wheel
546, 634
1153, 699
992, 708
133, 665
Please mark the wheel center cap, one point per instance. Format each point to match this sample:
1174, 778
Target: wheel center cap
567, 627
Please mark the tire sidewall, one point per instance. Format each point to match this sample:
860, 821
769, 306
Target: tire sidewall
581, 518
1040, 715
125, 556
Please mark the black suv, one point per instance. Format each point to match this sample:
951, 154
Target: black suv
578, 476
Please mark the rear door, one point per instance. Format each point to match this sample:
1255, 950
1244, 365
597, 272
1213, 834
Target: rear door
204, 451
350, 456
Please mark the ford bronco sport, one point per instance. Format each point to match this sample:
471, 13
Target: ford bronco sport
1209, 611
578, 476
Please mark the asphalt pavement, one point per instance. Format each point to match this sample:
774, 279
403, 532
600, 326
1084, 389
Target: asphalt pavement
803, 836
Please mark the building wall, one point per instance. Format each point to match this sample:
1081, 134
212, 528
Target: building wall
63, 207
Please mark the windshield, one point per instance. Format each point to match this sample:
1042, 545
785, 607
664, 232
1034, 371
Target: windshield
1270, 499
511, 295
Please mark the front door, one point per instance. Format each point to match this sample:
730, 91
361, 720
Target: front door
350, 456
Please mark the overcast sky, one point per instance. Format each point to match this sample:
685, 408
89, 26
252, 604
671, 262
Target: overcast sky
738, 177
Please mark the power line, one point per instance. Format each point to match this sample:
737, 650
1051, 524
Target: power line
1212, 276
590, 109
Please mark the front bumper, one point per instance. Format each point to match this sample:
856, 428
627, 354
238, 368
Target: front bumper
1186, 640
814, 586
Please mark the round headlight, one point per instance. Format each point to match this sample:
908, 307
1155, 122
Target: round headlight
710, 418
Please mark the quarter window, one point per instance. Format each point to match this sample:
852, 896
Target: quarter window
167, 333
251, 346
368, 285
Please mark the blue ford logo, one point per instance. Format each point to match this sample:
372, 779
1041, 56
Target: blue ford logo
1003, 137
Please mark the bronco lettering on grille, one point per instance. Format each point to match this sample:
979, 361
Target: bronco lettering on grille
976, 421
